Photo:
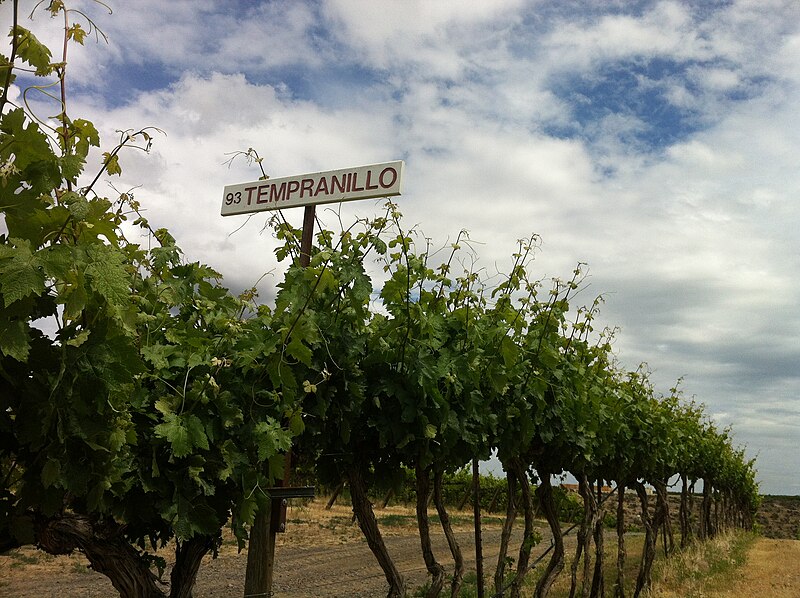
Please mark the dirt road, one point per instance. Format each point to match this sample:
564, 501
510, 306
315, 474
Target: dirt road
301, 571
322, 554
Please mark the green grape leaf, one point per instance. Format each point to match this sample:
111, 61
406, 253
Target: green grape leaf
14, 338
21, 272
111, 163
79, 339
71, 166
106, 269
5, 66
247, 510
51, 472
75, 299
117, 439
298, 350
232, 457
296, 424
58, 261
29, 143
173, 430
77, 33
157, 354
196, 431
265, 440
86, 135
32, 51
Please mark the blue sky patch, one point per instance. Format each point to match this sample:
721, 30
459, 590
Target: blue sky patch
634, 92
121, 84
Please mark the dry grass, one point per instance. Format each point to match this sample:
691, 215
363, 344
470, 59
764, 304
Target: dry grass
560, 589
704, 568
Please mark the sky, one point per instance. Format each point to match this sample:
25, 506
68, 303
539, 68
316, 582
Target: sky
657, 142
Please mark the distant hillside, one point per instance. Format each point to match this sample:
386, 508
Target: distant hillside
779, 517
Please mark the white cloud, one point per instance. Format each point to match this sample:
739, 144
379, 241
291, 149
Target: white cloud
274, 34
429, 34
665, 29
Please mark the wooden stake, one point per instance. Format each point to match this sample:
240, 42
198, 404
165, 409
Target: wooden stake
261, 547
476, 481
308, 236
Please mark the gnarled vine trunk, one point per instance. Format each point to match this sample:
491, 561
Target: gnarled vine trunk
108, 551
587, 556
693, 528
188, 556
545, 495
527, 538
684, 513
444, 519
662, 510
619, 588
584, 538
423, 475
505, 536
649, 549
598, 579
336, 492
362, 509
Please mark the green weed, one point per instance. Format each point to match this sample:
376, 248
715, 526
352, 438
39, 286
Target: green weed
21, 559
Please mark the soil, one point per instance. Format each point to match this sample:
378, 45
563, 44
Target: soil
323, 554
779, 517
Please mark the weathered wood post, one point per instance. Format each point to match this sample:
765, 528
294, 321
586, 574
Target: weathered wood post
476, 482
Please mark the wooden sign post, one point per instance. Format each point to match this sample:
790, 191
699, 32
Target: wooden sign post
309, 190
